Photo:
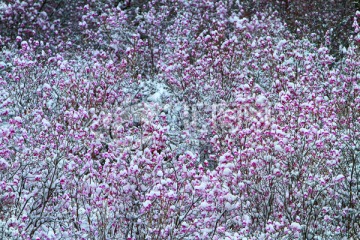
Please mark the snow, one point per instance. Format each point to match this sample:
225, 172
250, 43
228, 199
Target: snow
160, 173
160, 90
82, 211
46, 86
50, 104
18, 119
3, 164
246, 220
278, 148
270, 228
323, 50
261, 100
295, 226
339, 178
205, 205
280, 44
228, 206
202, 186
227, 172
46, 123
2, 65
277, 171
291, 85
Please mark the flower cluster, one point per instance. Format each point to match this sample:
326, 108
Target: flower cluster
178, 119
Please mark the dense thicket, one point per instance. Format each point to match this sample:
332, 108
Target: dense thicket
176, 119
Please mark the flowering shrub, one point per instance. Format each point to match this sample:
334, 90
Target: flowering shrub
176, 120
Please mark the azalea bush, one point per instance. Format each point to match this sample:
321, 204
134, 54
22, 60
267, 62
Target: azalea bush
178, 120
